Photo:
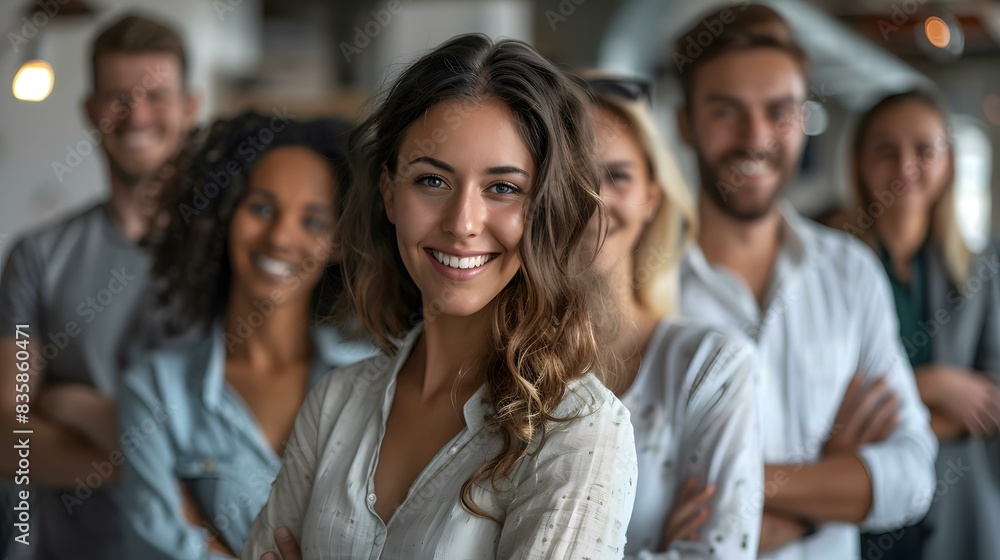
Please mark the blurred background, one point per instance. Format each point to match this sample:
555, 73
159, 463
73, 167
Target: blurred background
310, 57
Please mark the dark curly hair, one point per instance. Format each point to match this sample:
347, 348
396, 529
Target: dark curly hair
192, 266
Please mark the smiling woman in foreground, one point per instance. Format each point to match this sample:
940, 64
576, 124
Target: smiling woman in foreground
482, 433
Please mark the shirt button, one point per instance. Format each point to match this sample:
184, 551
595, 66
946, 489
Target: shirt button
371, 498
379, 539
208, 465
453, 450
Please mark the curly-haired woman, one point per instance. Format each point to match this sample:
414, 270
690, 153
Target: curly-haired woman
248, 255
483, 433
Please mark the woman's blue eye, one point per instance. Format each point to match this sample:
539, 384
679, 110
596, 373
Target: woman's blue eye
314, 224
262, 210
432, 181
505, 188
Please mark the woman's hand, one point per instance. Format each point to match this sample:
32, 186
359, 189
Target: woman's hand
689, 513
963, 395
288, 547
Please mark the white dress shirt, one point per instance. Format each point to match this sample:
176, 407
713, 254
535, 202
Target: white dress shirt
570, 498
694, 411
827, 314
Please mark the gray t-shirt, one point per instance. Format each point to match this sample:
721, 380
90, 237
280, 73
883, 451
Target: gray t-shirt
79, 285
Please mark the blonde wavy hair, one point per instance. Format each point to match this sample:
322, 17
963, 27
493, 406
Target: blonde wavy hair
954, 251
655, 272
554, 316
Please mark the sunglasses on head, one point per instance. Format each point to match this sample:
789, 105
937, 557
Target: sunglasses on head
629, 89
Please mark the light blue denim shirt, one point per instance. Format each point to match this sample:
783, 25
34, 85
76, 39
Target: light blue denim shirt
181, 421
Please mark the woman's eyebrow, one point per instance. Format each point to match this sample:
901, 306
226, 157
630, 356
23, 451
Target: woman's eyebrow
262, 192
507, 170
317, 207
498, 170
435, 162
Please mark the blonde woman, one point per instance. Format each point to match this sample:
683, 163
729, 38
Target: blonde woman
689, 388
948, 304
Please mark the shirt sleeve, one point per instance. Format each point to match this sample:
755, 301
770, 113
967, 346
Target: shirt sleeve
574, 499
988, 353
901, 467
154, 526
721, 446
20, 289
292, 489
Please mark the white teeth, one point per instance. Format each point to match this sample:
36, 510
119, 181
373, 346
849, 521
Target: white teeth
275, 267
137, 140
752, 168
460, 262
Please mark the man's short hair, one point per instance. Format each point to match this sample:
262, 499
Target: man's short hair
134, 34
733, 29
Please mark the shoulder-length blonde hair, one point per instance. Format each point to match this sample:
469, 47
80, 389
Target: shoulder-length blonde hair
655, 272
551, 321
954, 251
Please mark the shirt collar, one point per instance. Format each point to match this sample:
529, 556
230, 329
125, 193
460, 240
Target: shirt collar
332, 351
797, 244
798, 241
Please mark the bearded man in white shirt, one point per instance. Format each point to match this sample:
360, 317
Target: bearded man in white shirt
846, 439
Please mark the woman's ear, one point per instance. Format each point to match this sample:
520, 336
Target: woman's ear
388, 195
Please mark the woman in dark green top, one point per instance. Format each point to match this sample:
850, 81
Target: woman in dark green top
948, 304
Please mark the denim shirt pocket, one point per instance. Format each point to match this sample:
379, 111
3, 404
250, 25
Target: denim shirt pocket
217, 487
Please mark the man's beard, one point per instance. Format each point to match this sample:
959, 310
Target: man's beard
725, 195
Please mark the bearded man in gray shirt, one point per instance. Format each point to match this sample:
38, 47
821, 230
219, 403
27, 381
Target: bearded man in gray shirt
74, 299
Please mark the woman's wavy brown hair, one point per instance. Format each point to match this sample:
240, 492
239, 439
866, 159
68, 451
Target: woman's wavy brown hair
554, 315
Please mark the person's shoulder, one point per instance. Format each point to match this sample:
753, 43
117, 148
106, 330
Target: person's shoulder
843, 253
44, 238
337, 348
174, 369
703, 356
590, 424
690, 340
587, 397
369, 373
